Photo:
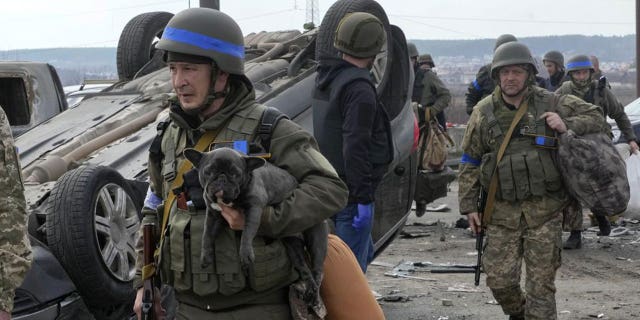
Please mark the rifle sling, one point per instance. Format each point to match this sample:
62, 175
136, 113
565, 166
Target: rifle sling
204, 141
493, 186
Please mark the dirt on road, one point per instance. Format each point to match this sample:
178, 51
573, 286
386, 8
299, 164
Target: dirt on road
599, 281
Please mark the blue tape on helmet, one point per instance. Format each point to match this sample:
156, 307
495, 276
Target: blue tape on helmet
202, 41
579, 64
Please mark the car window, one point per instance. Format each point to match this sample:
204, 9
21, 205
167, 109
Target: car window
633, 108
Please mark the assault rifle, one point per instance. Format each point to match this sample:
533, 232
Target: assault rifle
482, 202
148, 292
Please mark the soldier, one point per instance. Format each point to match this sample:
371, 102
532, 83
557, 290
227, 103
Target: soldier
595, 91
597, 73
352, 127
435, 97
524, 189
554, 63
15, 250
216, 103
417, 71
483, 85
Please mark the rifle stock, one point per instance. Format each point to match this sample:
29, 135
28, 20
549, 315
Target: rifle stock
148, 284
482, 202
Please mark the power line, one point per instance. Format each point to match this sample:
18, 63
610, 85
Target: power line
267, 14
72, 14
512, 20
440, 28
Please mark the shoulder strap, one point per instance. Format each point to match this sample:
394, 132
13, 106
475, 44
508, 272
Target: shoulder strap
205, 140
270, 118
493, 186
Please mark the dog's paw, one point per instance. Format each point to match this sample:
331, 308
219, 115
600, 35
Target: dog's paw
205, 261
246, 256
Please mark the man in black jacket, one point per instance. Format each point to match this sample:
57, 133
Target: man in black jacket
352, 128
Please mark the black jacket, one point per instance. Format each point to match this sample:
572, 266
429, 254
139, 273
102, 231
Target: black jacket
351, 127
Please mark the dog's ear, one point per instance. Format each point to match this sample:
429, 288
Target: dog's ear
194, 156
254, 163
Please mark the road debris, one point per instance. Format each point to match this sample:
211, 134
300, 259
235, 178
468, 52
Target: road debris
462, 288
447, 302
441, 230
599, 315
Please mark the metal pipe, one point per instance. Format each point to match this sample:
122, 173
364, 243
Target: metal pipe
213, 4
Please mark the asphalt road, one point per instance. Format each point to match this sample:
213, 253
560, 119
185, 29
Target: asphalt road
599, 281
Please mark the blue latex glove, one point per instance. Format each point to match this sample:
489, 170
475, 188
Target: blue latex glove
364, 217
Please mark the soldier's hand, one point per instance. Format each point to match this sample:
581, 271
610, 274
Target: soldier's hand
234, 217
5, 315
474, 222
633, 147
554, 121
158, 310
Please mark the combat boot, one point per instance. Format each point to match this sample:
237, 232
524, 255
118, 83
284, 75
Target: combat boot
574, 241
421, 208
604, 225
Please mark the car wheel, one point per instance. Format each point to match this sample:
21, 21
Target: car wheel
92, 226
137, 45
324, 42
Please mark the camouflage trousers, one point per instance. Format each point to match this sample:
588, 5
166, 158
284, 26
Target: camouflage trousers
266, 312
572, 216
502, 262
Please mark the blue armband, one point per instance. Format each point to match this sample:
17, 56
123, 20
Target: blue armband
476, 85
152, 201
468, 159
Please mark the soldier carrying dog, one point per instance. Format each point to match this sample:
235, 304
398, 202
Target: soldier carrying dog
216, 103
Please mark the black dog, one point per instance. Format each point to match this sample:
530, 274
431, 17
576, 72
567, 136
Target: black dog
250, 184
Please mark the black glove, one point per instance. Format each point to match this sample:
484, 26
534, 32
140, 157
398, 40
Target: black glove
193, 188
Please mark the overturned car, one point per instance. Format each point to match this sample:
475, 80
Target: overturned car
85, 168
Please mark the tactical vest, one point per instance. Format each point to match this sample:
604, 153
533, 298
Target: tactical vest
327, 123
223, 284
526, 169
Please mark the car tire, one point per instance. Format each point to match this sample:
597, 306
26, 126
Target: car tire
324, 42
137, 45
92, 225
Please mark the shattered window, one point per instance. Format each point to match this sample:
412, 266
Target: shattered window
13, 99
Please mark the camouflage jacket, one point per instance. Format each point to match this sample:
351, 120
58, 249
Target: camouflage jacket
434, 93
319, 195
15, 251
604, 98
479, 142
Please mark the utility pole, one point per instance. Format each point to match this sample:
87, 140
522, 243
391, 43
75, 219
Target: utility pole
637, 48
213, 4
313, 13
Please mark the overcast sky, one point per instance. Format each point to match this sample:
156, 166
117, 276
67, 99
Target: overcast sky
88, 23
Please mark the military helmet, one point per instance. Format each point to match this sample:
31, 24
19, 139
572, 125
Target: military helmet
413, 51
207, 33
426, 58
512, 53
359, 34
504, 38
554, 56
579, 62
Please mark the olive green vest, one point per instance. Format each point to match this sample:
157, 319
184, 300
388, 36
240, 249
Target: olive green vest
526, 169
223, 284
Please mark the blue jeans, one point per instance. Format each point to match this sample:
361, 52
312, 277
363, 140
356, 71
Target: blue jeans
359, 241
